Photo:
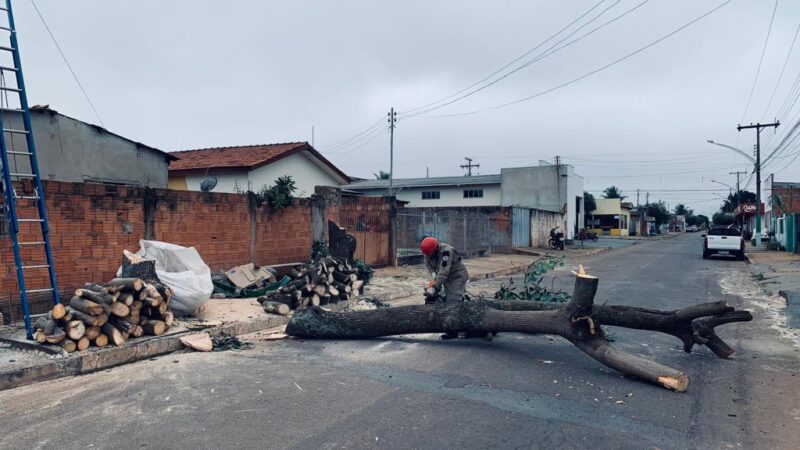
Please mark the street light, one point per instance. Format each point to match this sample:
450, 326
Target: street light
757, 170
726, 185
730, 147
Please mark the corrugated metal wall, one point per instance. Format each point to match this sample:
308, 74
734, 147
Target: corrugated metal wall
521, 227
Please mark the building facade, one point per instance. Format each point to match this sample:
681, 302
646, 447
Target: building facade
611, 217
254, 167
782, 215
555, 189
68, 149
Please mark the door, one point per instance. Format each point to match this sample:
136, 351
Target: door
521, 227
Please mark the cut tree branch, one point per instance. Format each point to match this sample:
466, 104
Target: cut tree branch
573, 321
692, 325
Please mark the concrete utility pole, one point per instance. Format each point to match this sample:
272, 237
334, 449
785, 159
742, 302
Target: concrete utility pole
392, 120
393, 211
758, 127
739, 198
469, 166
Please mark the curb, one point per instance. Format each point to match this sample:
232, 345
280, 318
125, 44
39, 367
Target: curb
87, 362
497, 273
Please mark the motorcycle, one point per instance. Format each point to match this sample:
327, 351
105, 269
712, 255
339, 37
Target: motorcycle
556, 241
586, 234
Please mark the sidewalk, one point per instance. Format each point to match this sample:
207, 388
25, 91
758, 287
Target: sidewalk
24, 362
778, 272
404, 285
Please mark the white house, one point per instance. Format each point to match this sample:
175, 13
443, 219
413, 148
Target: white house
544, 187
252, 167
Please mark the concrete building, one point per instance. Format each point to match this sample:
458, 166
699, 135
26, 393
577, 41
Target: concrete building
72, 150
253, 167
545, 187
611, 217
782, 216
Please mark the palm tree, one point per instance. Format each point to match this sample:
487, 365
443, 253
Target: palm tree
381, 175
613, 192
682, 210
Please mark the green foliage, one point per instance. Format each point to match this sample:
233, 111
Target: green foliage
280, 195
381, 175
365, 272
319, 250
777, 202
722, 218
773, 245
532, 288
733, 200
589, 204
613, 192
682, 210
699, 220
659, 211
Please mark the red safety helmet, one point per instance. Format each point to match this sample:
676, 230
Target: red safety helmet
429, 246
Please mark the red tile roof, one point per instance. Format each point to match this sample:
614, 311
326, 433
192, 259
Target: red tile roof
242, 157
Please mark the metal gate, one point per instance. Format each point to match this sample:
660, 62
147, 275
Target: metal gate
521, 227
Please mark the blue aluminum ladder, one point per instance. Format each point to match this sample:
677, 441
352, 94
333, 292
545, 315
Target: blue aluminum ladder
24, 196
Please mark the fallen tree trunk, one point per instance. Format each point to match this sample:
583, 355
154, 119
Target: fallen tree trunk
692, 325
573, 321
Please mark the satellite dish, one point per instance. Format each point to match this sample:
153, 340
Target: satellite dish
208, 184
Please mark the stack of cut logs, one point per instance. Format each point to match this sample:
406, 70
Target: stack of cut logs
109, 314
328, 280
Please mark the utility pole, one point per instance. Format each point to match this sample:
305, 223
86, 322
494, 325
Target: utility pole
393, 208
392, 120
312, 135
739, 198
469, 166
758, 127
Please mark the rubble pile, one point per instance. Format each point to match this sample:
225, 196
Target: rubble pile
326, 281
107, 315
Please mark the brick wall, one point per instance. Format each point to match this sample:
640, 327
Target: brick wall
91, 224
285, 235
217, 225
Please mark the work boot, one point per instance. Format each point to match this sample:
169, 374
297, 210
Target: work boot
448, 335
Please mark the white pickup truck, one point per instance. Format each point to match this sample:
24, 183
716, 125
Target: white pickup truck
723, 241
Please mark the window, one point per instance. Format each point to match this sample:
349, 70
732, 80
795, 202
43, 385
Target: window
727, 231
473, 193
431, 195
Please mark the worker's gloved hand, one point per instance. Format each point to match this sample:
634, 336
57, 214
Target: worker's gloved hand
431, 284
431, 296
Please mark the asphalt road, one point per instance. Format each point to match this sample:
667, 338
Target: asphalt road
517, 391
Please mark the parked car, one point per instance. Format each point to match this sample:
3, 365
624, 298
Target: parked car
692, 229
723, 241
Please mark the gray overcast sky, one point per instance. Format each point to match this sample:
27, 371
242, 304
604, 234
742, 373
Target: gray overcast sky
189, 74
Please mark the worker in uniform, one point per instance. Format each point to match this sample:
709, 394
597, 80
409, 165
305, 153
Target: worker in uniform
445, 262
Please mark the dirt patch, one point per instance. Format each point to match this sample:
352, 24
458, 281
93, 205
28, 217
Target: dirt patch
229, 310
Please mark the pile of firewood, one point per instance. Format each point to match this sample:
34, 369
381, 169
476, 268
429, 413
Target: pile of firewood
109, 314
328, 280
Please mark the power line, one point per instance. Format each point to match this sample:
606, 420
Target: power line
566, 27
586, 75
358, 143
780, 77
344, 142
66, 61
541, 56
760, 60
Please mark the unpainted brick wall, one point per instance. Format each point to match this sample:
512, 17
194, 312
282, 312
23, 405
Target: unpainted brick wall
91, 224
